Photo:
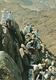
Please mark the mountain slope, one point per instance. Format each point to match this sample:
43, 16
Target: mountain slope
35, 4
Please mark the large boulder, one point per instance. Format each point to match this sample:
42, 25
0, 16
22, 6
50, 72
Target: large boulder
15, 27
11, 38
11, 46
8, 68
7, 42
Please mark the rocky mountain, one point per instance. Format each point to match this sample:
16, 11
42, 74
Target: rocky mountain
44, 20
35, 4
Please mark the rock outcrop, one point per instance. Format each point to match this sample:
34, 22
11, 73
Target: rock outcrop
8, 68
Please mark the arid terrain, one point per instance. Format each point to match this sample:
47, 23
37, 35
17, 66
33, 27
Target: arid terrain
44, 20
35, 4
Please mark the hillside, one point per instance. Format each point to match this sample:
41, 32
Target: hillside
45, 21
35, 4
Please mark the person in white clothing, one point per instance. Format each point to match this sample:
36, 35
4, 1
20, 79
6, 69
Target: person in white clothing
36, 34
27, 29
10, 17
3, 18
38, 47
51, 69
28, 45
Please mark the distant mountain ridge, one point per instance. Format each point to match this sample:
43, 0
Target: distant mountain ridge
35, 4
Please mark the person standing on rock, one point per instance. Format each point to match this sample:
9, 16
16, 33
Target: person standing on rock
10, 17
3, 18
27, 29
36, 34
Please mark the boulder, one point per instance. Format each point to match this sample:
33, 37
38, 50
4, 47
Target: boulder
8, 68
16, 29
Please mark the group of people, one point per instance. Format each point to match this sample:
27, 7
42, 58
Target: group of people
6, 15
32, 38
44, 68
